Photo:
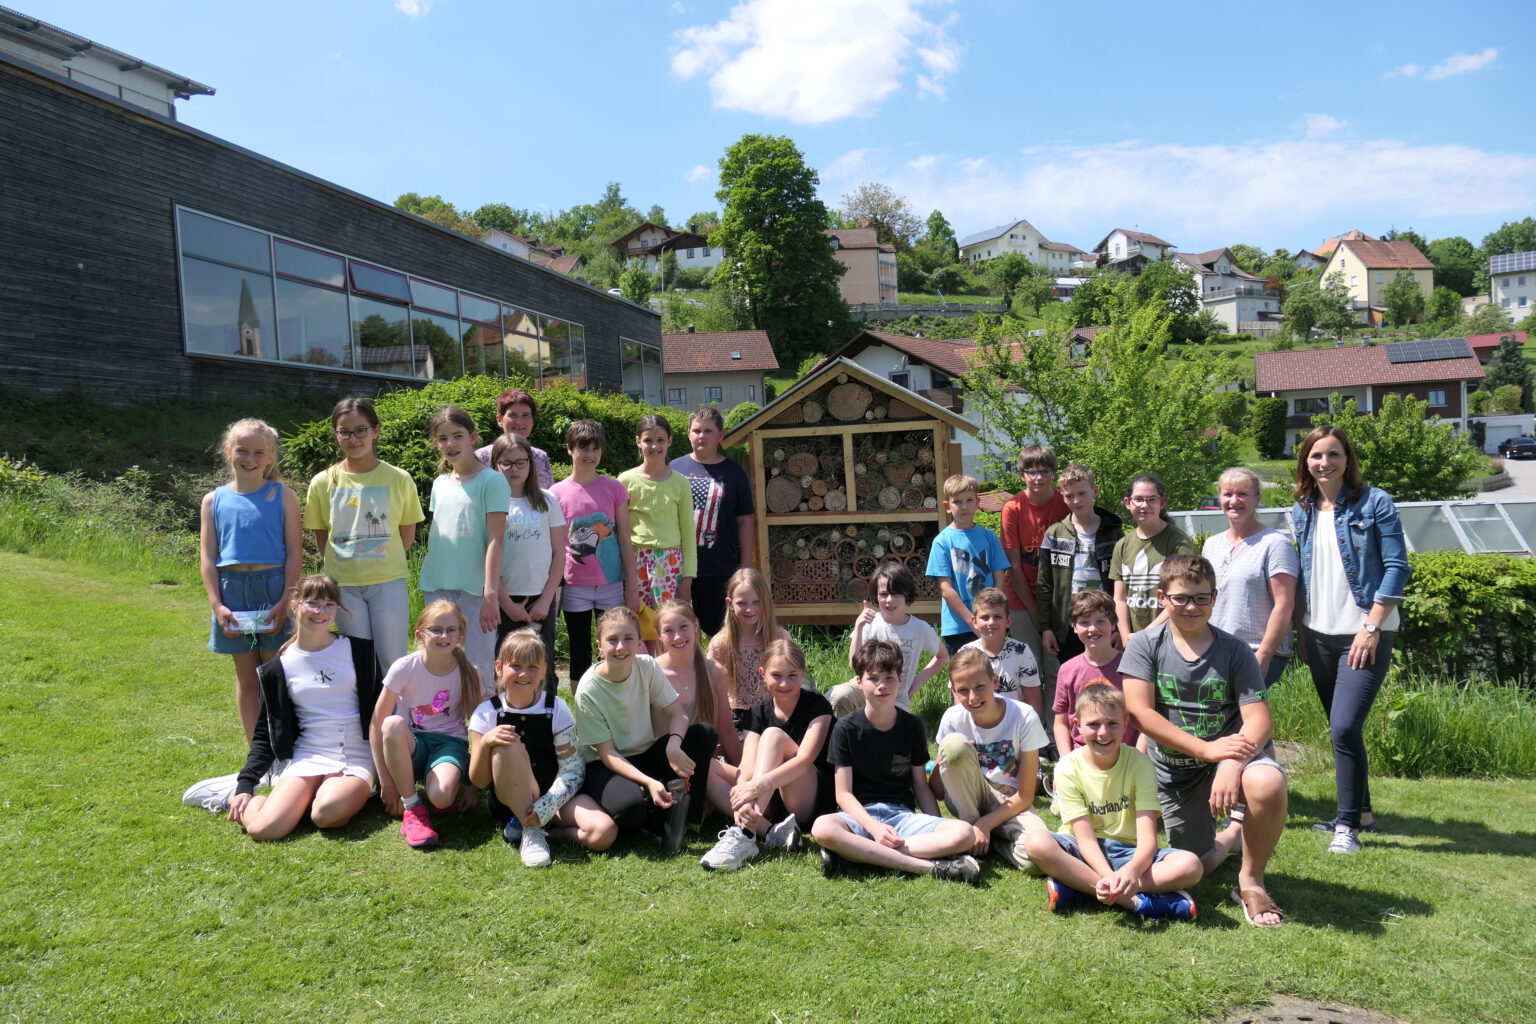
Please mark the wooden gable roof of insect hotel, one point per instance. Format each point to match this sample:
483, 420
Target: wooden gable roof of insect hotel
849, 470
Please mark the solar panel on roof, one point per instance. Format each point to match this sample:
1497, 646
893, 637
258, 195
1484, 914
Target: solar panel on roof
1428, 351
1509, 263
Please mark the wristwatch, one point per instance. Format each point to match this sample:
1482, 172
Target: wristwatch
1372, 628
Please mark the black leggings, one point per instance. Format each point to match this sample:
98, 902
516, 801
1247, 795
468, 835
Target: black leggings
546, 630
627, 802
578, 632
709, 602
1347, 695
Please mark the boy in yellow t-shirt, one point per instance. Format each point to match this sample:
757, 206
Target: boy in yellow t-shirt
1107, 795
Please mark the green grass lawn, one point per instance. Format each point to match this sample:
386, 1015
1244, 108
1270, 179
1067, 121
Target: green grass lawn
126, 906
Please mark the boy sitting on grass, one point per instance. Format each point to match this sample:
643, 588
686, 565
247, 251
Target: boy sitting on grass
1107, 793
1198, 695
1013, 663
877, 754
989, 752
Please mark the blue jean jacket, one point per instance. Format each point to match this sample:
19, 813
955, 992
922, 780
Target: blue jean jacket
1371, 544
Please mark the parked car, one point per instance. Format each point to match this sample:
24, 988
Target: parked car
1518, 448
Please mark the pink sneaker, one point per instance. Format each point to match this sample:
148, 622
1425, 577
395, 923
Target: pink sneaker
416, 826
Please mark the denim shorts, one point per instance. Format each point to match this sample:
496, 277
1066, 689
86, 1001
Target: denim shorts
1117, 853
904, 820
434, 748
248, 592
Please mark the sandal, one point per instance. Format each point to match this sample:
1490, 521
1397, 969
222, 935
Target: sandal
1255, 902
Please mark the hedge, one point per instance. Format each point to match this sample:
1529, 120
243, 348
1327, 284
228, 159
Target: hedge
1468, 615
404, 416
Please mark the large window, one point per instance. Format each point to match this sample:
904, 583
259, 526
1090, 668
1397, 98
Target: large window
712, 396
249, 294
642, 370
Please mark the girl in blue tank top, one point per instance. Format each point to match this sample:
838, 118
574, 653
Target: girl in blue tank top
251, 545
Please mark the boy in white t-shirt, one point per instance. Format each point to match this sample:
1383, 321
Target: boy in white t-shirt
1013, 663
894, 589
989, 754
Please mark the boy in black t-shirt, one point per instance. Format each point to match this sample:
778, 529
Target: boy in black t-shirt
877, 755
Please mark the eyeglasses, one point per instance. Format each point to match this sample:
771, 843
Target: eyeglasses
442, 632
1037, 473
1185, 600
507, 464
352, 435
1145, 501
318, 607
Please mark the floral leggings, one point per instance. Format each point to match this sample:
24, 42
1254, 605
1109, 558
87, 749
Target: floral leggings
659, 570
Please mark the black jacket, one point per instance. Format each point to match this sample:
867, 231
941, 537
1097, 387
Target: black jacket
1053, 592
277, 722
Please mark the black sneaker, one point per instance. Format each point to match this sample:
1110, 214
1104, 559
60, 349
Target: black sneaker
831, 864
957, 869
1332, 823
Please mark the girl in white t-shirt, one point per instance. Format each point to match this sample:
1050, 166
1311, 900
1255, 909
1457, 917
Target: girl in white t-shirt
418, 725
525, 753
533, 557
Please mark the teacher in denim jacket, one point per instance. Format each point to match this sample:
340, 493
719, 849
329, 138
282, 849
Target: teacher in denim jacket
1354, 571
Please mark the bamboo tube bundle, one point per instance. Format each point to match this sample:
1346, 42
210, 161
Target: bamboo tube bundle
836, 501
889, 498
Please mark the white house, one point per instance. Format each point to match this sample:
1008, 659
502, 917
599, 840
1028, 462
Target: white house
649, 241
1512, 283
1020, 237
1131, 250
1236, 297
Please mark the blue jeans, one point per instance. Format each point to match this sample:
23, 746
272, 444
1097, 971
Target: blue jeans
904, 820
1117, 853
1347, 695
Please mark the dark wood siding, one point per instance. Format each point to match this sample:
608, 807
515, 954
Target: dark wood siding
89, 297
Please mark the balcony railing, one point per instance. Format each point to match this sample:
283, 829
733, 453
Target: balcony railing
1245, 289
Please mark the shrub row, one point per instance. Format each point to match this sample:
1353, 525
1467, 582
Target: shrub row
1468, 615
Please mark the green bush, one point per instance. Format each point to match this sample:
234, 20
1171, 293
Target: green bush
1468, 615
1267, 426
405, 415
739, 415
1231, 410
1506, 398
1477, 402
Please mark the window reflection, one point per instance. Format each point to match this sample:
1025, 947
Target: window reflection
312, 325
435, 343
382, 336
227, 243
228, 311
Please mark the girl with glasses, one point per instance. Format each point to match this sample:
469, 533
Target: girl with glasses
419, 732
533, 558
363, 513
317, 704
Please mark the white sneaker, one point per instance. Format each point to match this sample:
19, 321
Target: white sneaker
1345, 840
786, 835
734, 849
212, 794
534, 847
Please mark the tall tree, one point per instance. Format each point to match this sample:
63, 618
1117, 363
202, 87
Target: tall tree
1488, 318
1336, 311
1456, 264
885, 211
1169, 287
1303, 308
1129, 408
1511, 236
1443, 307
1508, 367
779, 260
1249, 257
635, 282
656, 215
439, 211
937, 247
1006, 271
1404, 451
1404, 300
501, 217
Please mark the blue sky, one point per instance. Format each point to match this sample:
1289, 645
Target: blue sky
1276, 126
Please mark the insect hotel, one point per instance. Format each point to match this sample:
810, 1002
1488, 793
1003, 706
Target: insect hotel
849, 470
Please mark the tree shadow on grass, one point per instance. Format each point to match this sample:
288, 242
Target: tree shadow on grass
1339, 906
1454, 836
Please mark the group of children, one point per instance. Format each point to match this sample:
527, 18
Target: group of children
661, 730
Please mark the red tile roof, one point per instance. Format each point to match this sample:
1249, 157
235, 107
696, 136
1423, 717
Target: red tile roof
1326, 249
993, 501
854, 238
949, 355
711, 352
560, 264
1478, 341
1351, 366
1398, 255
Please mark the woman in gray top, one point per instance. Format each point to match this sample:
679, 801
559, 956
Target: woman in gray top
1256, 570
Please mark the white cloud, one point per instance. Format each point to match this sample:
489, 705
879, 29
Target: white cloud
698, 172
1459, 64
1198, 196
810, 61
1320, 126
414, 8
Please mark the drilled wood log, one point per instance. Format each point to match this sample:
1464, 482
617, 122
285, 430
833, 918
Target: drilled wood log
801, 464
783, 494
848, 402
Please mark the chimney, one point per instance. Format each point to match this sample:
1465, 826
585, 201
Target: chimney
690, 328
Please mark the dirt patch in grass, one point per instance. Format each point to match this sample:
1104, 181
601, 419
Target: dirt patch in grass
1289, 1010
